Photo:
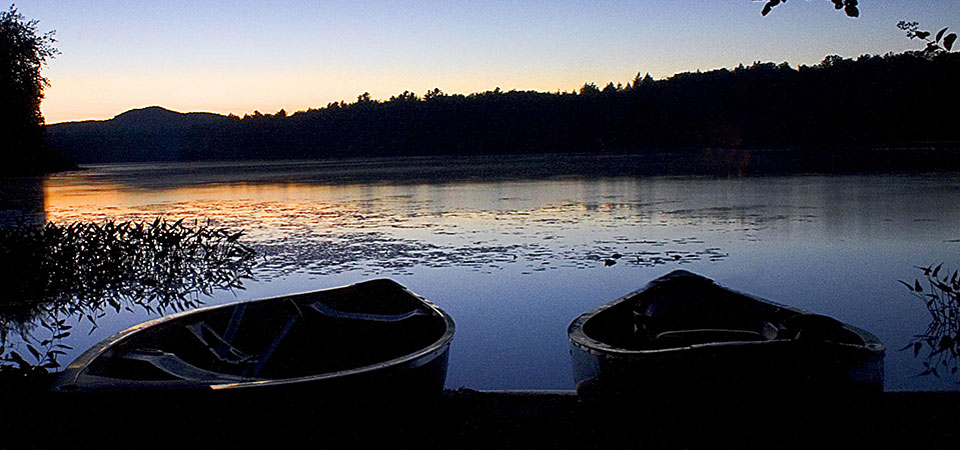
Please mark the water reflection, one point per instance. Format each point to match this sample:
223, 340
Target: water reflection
21, 202
330, 229
54, 274
940, 344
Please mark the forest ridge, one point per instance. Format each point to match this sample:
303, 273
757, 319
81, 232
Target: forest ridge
907, 99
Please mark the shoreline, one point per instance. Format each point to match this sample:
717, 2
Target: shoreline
715, 163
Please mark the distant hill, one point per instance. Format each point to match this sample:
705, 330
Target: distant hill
145, 134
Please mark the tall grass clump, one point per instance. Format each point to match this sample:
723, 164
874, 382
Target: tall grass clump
53, 273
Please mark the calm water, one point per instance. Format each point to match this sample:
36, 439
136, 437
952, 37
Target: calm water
514, 261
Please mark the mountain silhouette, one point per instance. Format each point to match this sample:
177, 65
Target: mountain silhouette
157, 115
144, 134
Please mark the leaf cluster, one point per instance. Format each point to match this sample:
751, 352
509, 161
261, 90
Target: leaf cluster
939, 43
849, 7
942, 338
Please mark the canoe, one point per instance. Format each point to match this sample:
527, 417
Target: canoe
683, 334
373, 339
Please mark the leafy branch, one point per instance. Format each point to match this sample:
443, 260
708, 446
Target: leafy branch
942, 338
849, 7
936, 44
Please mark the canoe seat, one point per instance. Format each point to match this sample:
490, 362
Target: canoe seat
222, 350
683, 338
330, 311
172, 365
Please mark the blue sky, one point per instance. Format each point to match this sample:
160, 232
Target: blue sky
241, 56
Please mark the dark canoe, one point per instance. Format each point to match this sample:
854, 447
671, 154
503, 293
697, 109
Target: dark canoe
684, 334
374, 339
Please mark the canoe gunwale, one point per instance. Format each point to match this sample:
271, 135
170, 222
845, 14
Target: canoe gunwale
72, 375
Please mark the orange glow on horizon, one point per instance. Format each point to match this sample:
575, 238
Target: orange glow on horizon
101, 97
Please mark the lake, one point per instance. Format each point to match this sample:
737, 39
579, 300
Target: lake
514, 249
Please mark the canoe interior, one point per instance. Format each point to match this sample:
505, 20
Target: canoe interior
689, 310
279, 338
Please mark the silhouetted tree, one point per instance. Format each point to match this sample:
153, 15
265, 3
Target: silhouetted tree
433, 94
406, 96
589, 89
23, 52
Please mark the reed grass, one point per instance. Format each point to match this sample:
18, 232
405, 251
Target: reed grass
53, 273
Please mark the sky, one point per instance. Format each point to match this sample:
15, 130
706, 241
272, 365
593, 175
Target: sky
241, 56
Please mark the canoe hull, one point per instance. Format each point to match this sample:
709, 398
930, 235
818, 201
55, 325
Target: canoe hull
764, 369
761, 367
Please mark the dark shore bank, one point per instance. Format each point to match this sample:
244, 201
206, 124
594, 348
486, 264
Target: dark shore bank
466, 418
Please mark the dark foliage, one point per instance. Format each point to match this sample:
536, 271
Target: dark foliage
941, 342
941, 42
53, 273
849, 7
23, 52
895, 100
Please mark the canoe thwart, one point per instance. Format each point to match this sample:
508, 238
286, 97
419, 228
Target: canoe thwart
265, 356
171, 364
223, 350
330, 311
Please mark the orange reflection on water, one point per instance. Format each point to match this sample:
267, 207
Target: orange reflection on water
251, 206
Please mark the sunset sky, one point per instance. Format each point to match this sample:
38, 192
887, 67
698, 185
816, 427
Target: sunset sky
241, 56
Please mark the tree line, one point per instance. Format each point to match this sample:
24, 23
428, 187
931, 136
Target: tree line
907, 99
